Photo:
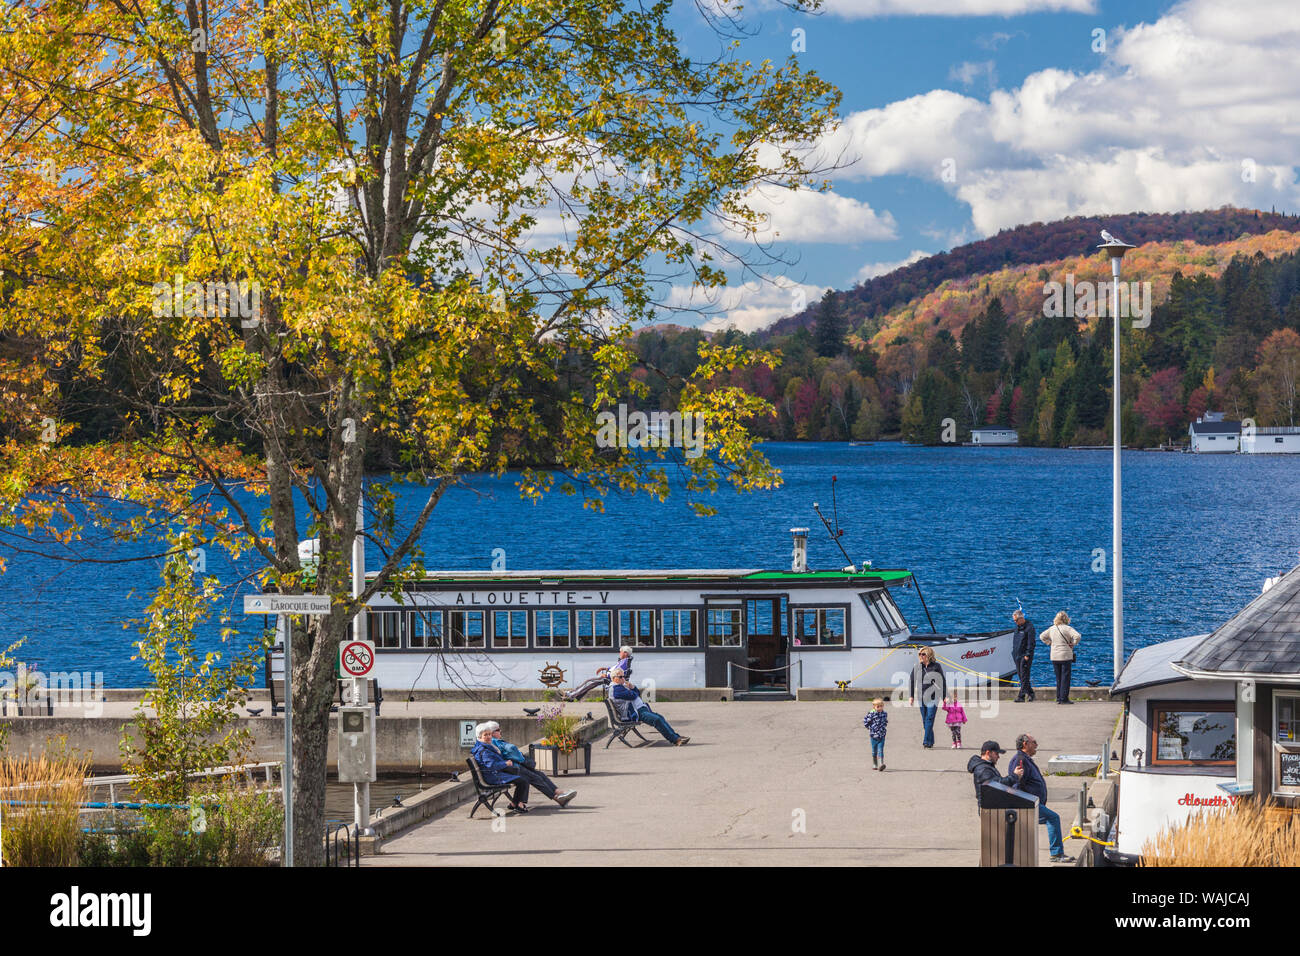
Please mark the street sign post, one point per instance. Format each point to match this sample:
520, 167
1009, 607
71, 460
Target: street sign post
285, 605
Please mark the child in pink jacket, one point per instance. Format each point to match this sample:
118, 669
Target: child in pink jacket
954, 717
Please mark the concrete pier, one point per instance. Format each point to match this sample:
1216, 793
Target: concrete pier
786, 783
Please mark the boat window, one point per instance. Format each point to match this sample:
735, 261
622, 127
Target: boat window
466, 629
636, 628
551, 628
593, 629
1193, 732
891, 610
723, 624
679, 629
884, 612
819, 626
384, 628
785, 615
424, 628
509, 628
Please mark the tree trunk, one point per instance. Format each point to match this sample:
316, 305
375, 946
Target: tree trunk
313, 689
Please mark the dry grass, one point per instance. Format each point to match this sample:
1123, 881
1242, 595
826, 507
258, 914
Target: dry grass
1251, 834
43, 829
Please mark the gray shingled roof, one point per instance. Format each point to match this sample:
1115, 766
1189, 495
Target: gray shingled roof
1262, 638
1216, 428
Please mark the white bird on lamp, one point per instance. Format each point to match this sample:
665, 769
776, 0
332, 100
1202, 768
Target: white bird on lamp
1107, 237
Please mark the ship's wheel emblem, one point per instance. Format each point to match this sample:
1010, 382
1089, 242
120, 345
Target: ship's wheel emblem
552, 675
843, 685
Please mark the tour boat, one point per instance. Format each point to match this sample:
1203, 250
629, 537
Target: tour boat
746, 632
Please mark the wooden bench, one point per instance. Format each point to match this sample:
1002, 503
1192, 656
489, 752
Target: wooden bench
619, 728
488, 793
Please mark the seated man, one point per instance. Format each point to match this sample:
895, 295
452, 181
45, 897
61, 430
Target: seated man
624, 663
630, 706
499, 769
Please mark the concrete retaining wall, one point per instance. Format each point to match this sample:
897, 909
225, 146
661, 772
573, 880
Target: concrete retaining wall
403, 744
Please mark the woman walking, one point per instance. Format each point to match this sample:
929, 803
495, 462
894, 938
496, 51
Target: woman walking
927, 682
1062, 639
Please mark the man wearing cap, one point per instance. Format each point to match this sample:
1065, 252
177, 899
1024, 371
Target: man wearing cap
499, 769
1023, 644
1032, 782
984, 768
630, 706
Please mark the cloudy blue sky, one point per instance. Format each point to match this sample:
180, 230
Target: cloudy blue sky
964, 117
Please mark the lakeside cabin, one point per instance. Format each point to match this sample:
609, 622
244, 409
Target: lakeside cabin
1211, 720
1211, 434
994, 436
746, 630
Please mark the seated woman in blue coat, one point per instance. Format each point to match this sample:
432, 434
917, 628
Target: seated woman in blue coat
498, 768
630, 706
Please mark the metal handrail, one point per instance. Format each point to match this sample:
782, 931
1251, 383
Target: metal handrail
351, 846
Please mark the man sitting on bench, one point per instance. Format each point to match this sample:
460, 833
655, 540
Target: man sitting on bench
624, 664
498, 769
630, 706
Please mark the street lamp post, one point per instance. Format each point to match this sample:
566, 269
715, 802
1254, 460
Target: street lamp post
1116, 249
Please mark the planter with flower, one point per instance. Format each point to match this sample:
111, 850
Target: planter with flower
559, 750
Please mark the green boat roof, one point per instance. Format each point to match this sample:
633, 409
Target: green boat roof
869, 574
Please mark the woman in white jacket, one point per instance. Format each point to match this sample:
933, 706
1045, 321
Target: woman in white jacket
1062, 639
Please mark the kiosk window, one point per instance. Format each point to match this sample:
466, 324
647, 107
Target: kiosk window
1286, 711
1193, 732
424, 628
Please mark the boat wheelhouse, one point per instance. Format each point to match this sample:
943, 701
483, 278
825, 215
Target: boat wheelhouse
746, 631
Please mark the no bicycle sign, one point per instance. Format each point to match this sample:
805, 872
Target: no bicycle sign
356, 658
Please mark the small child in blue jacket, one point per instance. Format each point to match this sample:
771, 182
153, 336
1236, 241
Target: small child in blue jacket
877, 722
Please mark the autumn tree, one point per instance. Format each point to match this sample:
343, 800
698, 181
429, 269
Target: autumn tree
271, 236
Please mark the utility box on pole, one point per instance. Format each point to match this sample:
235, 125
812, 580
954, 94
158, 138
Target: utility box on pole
357, 744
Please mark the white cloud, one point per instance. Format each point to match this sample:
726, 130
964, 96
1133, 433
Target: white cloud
968, 72
1192, 111
805, 215
873, 269
748, 306
858, 9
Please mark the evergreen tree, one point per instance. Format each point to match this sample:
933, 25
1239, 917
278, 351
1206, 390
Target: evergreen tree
831, 327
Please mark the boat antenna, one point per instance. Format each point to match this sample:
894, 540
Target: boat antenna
835, 532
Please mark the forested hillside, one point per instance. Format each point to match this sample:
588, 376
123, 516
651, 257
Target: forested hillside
1223, 334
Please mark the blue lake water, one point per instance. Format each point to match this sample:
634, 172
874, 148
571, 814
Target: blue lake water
981, 529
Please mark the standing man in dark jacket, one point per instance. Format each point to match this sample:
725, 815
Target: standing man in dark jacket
984, 768
1022, 650
1032, 782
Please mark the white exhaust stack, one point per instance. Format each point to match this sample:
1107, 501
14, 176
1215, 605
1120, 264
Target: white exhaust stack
800, 554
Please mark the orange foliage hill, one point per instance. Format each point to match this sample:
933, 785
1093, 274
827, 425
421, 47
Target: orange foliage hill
956, 301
